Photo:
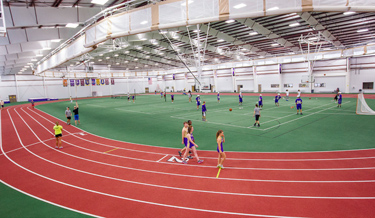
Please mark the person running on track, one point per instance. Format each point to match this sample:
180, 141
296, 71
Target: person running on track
219, 141
190, 145
58, 134
76, 116
68, 115
32, 104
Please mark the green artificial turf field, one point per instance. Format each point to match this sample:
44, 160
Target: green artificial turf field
152, 121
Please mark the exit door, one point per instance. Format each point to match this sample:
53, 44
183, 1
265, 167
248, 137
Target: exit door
193, 88
259, 87
12, 98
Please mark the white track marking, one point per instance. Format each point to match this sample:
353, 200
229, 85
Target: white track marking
27, 146
162, 158
120, 197
240, 152
168, 187
242, 168
157, 172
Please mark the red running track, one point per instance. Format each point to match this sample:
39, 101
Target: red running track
129, 181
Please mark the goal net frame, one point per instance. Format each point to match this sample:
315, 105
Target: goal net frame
362, 107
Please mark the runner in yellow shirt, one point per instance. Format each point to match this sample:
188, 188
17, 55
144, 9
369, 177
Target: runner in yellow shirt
58, 134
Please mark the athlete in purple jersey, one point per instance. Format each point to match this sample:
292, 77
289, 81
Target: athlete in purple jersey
219, 141
260, 102
198, 101
277, 98
192, 145
172, 98
204, 109
339, 100
299, 104
218, 97
240, 99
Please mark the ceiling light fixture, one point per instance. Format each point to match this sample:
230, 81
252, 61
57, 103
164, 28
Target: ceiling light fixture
33, 59
349, 13
239, 6
107, 58
253, 33
294, 24
99, 2
72, 25
220, 40
100, 60
229, 21
273, 9
275, 44
116, 55
56, 40
144, 22
100, 54
362, 30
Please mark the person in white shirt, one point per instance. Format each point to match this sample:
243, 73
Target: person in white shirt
287, 95
299, 93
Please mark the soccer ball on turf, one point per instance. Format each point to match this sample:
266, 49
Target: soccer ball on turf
230, 109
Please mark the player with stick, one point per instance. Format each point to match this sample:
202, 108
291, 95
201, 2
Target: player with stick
240, 100
172, 98
277, 98
219, 141
260, 102
218, 97
189, 96
204, 110
339, 100
299, 104
256, 115
198, 101
287, 95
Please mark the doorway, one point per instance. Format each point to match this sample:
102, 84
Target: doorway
239, 88
259, 87
12, 98
147, 90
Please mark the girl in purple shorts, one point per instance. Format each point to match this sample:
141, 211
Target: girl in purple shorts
219, 141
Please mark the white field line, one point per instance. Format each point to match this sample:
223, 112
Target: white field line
270, 169
162, 158
302, 116
159, 186
121, 109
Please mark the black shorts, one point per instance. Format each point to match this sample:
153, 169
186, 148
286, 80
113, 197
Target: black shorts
2, 105
172, 99
69, 118
257, 117
58, 135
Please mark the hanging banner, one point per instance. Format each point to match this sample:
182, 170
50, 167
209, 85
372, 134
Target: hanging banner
186, 76
65, 83
93, 82
102, 82
72, 82
77, 82
233, 72
82, 82
149, 81
98, 82
112, 81
174, 78
87, 82
106, 82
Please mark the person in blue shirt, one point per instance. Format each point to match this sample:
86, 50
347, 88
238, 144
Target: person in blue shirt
240, 99
204, 110
277, 98
339, 100
299, 105
161, 94
218, 97
260, 102
172, 98
198, 101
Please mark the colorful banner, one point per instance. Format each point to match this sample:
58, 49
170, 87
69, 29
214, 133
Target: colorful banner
65, 83
174, 77
106, 82
82, 82
98, 82
93, 82
112, 81
149, 81
87, 82
72, 82
102, 82
77, 82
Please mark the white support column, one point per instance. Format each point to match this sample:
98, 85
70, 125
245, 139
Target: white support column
186, 83
347, 76
280, 79
70, 91
233, 80
215, 80
255, 79
309, 66
16, 83
110, 86
90, 86
44, 87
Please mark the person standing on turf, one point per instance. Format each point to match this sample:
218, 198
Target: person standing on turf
240, 100
277, 98
76, 116
219, 141
165, 96
2, 104
260, 102
190, 145
336, 97
218, 97
299, 104
172, 98
68, 115
287, 95
32, 104
71, 100
133, 98
58, 134
204, 110
256, 115
128, 97
198, 101
339, 100
299, 93
189, 96
161, 94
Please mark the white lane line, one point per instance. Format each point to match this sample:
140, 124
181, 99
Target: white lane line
162, 158
174, 149
240, 168
157, 172
121, 109
111, 195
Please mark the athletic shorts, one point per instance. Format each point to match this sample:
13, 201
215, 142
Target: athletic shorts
68, 118
240, 100
198, 103
257, 117
192, 138
128, 98
2, 105
185, 141
172, 99
221, 148
218, 99
203, 113
339, 101
58, 135
76, 117
299, 107
276, 101
260, 103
